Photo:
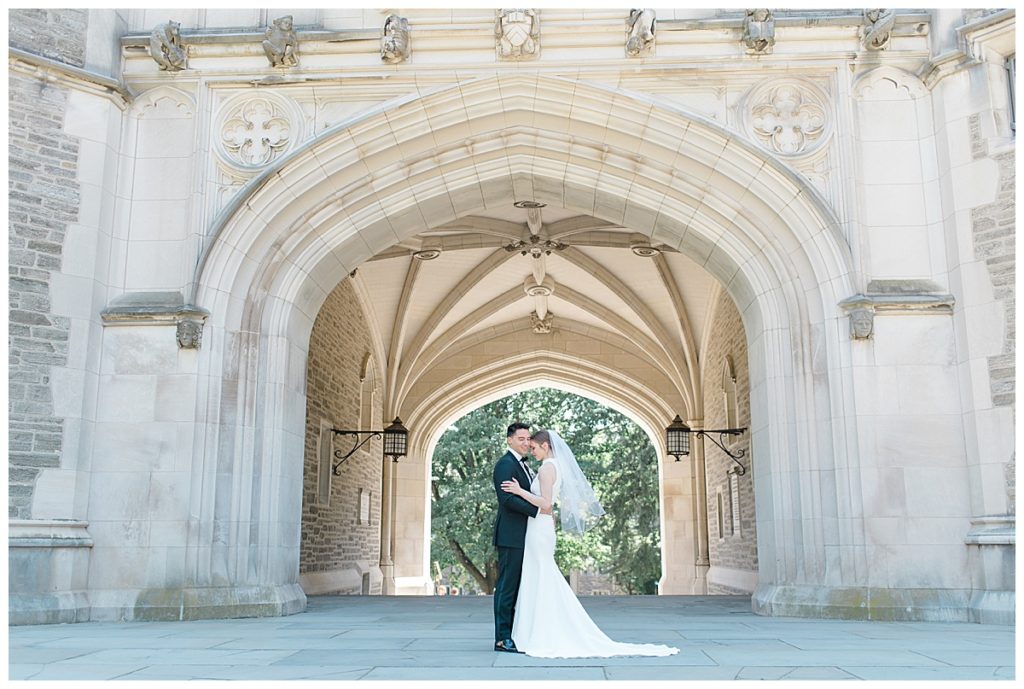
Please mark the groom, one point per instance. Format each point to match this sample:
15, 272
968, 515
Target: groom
510, 532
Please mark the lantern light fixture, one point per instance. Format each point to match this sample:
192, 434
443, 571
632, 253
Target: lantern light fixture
677, 441
396, 442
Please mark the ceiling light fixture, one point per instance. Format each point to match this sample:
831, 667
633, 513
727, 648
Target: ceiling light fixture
645, 250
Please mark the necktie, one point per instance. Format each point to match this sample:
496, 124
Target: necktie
526, 468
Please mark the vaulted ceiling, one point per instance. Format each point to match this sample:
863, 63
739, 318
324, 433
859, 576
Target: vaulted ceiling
514, 267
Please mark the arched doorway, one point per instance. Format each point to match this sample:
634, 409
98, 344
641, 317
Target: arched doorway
621, 554
672, 177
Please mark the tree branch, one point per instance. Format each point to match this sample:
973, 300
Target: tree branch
468, 565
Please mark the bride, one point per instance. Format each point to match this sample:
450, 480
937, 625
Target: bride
549, 620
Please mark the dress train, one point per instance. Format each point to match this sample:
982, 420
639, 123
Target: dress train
549, 620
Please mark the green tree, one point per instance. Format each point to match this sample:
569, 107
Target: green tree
613, 452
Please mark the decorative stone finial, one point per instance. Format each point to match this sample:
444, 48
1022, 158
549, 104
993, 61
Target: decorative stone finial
877, 30
282, 43
759, 32
394, 43
166, 48
640, 28
517, 34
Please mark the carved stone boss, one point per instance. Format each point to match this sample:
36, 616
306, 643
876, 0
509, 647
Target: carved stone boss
517, 34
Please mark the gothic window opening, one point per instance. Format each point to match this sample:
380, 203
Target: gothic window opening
1011, 75
732, 412
734, 490
721, 515
367, 395
324, 453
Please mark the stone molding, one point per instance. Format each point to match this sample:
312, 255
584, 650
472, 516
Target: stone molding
158, 308
151, 315
254, 36
993, 33
70, 76
48, 533
901, 297
997, 529
863, 603
214, 43
908, 21
733, 578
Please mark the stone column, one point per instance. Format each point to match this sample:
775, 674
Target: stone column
700, 493
387, 566
679, 549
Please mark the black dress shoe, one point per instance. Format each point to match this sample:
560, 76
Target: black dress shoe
507, 646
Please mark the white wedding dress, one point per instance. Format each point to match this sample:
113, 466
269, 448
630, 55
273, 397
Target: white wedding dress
549, 620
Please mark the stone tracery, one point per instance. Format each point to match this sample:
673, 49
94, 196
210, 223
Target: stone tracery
256, 132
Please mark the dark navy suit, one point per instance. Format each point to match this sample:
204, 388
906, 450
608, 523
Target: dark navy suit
509, 538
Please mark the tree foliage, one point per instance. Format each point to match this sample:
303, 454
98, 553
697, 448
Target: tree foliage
614, 453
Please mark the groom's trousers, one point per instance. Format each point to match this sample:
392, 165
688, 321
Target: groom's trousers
510, 570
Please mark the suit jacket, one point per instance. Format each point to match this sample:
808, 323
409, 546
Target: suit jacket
513, 511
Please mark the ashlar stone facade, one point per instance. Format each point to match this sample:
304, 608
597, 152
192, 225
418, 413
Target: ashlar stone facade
340, 545
732, 525
43, 198
189, 237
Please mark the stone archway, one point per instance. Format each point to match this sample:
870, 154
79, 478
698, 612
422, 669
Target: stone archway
539, 373
426, 160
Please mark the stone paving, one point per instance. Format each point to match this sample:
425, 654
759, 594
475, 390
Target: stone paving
414, 638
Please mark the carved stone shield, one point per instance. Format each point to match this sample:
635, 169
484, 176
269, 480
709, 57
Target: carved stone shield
517, 34
516, 27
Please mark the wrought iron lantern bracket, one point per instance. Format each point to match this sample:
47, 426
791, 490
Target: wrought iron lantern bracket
740, 469
343, 456
395, 442
678, 442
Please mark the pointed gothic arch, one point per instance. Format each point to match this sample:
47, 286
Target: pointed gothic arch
311, 219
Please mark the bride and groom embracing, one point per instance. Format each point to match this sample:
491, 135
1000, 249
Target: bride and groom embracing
535, 611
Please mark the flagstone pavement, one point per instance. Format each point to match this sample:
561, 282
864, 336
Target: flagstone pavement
419, 638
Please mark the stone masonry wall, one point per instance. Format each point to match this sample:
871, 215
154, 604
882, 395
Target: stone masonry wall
58, 34
332, 537
43, 197
737, 550
994, 227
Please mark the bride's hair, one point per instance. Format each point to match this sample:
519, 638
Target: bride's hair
541, 436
